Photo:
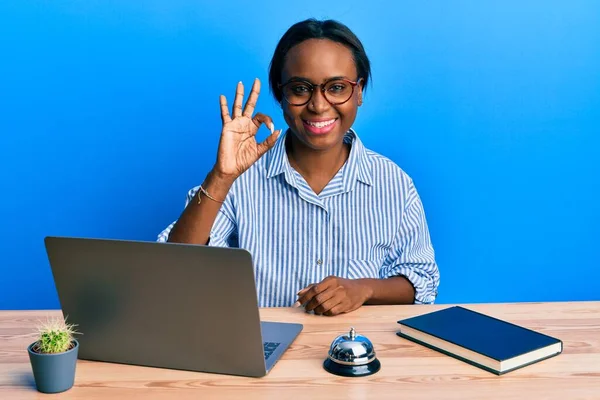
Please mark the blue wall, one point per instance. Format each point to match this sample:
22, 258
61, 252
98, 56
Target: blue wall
109, 114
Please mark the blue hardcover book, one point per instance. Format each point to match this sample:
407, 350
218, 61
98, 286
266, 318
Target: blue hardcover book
478, 339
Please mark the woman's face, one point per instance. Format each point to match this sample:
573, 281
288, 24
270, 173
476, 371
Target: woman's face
318, 124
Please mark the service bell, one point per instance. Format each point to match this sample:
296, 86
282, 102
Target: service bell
351, 355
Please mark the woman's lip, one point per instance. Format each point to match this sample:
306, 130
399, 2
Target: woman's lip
314, 120
319, 131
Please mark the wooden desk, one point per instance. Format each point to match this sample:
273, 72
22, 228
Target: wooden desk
409, 371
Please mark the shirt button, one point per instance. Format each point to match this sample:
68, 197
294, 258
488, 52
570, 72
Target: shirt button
319, 261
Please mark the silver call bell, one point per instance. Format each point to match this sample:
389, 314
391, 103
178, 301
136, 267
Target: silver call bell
351, 355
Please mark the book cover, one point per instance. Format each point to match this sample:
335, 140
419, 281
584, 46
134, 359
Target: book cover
481, 340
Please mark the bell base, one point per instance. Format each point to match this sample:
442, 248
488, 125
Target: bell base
351, 370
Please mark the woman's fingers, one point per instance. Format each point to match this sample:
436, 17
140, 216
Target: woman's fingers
268, 143
239, 98
237, 104
224, 110
319, 300
252, 99
326, 307
260, 118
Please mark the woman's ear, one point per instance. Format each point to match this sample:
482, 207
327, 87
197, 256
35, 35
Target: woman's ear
360, 91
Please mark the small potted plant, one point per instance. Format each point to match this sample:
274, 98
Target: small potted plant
53, 356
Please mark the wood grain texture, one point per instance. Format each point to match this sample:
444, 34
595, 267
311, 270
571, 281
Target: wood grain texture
409, 371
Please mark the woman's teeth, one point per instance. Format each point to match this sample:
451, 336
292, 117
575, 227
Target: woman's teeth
321, 124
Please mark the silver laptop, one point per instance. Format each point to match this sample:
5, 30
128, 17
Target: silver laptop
166, 305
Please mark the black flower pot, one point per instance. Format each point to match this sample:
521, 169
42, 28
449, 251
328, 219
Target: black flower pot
54, 373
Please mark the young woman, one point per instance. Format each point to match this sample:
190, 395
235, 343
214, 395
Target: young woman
330, 224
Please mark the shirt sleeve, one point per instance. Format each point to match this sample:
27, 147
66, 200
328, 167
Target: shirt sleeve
412, 254
224, 229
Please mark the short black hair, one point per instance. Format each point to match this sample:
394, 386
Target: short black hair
314, 29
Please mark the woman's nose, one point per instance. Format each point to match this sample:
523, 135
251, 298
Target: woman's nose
318, 103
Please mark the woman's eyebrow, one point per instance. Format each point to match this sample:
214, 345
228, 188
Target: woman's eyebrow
299, 78
333, 78
303, 79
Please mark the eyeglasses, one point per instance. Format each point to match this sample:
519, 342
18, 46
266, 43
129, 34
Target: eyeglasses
336, 91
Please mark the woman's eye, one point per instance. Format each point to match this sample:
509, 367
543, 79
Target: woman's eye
338, 87
300, 89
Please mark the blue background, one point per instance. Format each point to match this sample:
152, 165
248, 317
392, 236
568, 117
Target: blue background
109, 114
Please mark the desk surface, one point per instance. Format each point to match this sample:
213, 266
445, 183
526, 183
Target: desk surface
409, 371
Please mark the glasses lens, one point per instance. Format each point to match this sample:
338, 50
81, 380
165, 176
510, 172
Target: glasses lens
338, 91
297, 93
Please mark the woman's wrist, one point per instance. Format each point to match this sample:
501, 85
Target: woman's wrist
366, 289
218, 184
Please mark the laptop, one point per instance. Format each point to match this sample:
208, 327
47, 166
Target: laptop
167, 305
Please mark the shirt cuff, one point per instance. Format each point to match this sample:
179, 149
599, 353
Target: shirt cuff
164, 235
425, 293
215, 240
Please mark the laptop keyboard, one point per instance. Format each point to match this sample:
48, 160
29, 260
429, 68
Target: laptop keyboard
270, 348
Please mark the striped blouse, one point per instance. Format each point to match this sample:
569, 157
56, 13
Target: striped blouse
368, 222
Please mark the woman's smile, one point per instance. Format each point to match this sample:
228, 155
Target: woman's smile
320, 126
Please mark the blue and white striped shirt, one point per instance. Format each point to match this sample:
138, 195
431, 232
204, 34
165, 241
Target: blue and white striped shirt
368, 222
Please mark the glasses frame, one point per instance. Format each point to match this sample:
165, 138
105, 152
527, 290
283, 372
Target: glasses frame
321, 86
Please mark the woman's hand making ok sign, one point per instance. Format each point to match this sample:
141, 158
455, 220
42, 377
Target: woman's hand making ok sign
238, 148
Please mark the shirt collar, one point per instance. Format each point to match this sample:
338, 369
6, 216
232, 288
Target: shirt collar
357, 166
